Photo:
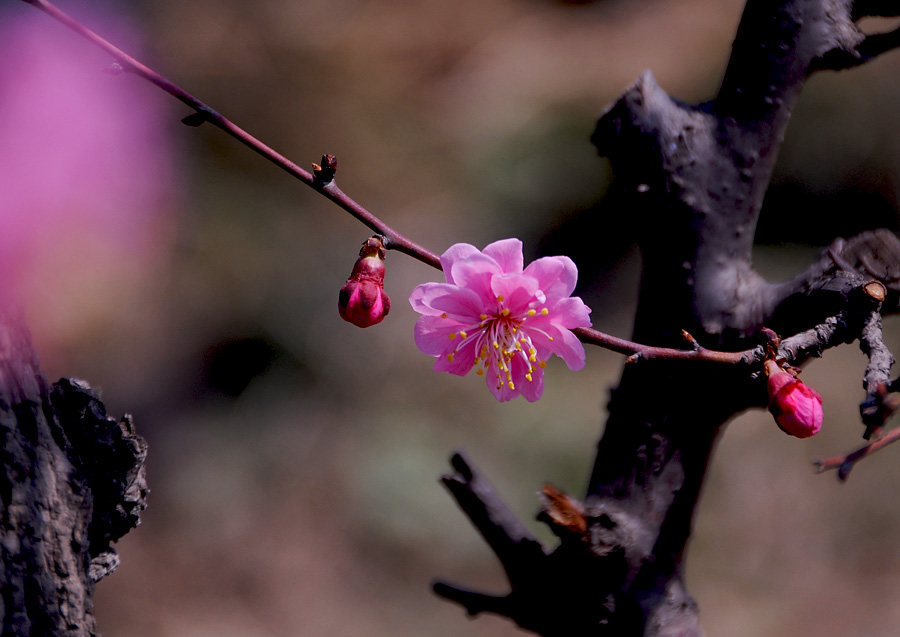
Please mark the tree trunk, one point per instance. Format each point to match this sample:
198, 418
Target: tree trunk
72, 482
696, 177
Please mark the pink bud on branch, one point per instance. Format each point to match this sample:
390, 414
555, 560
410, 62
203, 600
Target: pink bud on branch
797, 407
362, 300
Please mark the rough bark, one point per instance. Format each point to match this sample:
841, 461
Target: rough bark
696, 175
72, 482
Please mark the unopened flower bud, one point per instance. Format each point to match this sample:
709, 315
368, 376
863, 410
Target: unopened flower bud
362, 300
797, 407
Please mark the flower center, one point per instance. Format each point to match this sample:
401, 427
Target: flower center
501, 338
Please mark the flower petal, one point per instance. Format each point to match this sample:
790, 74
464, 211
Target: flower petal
421, 296
517, 291
432, 334
530, 389
475, 274
564, 344
570, 312
499, 387
459, 362
433, 299
456, 252
556, 275
508, 255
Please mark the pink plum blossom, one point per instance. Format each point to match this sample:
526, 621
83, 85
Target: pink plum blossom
797, 407
500, 320
86, 170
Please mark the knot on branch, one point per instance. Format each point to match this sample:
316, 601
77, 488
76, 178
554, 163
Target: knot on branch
111, 456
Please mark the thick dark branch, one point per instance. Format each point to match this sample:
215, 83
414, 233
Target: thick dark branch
697, 176
71, 482
111, 457
514, 546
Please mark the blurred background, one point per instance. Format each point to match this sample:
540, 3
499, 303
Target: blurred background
294, 458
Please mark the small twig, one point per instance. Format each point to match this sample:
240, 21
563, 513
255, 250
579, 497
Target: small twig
875, 409
844, 464
870, 48
394, 240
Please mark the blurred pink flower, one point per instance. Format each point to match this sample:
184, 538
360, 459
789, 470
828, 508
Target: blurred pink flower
797, 407
501, 320
85, 164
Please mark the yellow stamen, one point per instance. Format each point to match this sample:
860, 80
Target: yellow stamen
532, 312
479, 371
452, 335
500, 298
528, 376
545, 311
496, 345
444, 315
450, 357
511, 385
463, 334
505, 311
542, 364
483, 316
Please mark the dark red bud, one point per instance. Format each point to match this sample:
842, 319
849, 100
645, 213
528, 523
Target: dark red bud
362, 300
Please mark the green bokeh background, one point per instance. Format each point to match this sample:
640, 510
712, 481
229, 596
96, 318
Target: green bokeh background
294, 459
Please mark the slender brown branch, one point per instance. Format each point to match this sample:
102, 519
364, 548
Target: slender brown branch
844, 464
636, 351
394, 239
329, 188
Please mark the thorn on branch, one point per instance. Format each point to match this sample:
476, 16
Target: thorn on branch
194, 120
473, 602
